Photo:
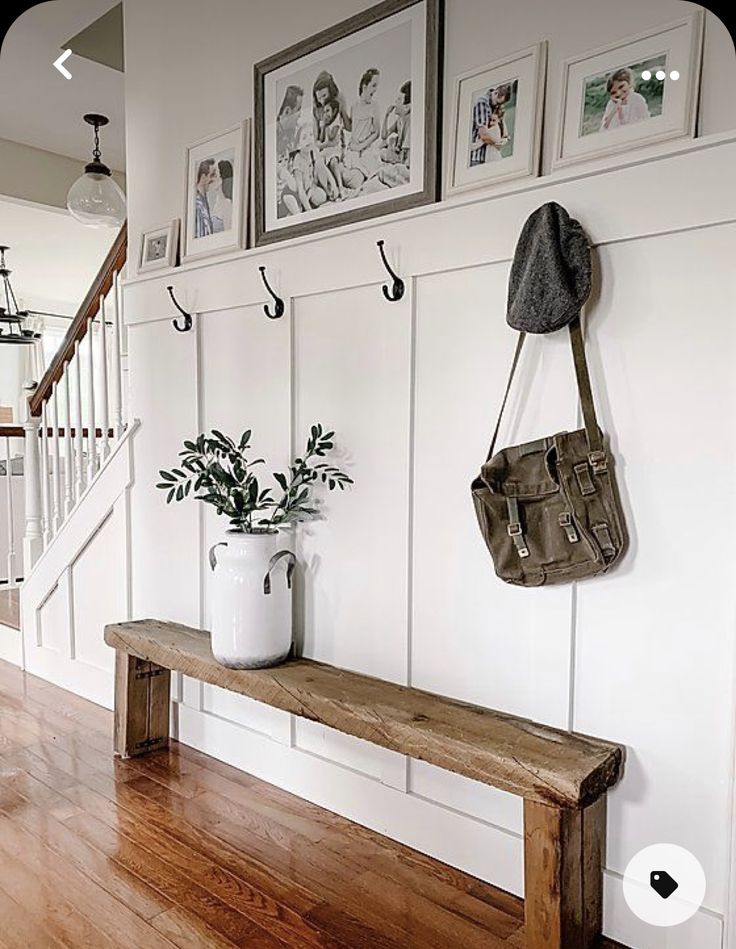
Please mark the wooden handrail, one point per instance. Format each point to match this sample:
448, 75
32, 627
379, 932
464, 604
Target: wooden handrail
78, 328
12, 431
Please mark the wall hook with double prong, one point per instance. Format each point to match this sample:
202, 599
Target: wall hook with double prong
279, 311
396, 292
187, 316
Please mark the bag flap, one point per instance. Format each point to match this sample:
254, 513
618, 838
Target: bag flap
522, 471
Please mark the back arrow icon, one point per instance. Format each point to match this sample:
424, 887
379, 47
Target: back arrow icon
58, 63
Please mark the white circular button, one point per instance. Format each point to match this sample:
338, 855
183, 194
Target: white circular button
664, 885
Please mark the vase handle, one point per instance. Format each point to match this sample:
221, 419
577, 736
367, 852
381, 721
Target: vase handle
213, 558
272, 563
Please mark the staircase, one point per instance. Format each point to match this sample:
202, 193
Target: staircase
76, 466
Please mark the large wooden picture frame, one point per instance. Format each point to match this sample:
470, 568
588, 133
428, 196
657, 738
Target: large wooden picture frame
347, 122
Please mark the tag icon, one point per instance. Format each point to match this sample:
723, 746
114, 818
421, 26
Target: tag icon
661, 882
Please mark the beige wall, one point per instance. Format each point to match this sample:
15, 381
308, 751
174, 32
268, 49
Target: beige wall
32, 174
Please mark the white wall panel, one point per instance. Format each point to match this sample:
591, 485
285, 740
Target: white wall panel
352, 356
243, 344
163, 369
655, 639
52, 620
99, 591
473, 636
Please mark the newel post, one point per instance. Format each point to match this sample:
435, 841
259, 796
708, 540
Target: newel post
33, 537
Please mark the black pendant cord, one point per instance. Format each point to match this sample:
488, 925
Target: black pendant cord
187, 316
396, 292
279, 303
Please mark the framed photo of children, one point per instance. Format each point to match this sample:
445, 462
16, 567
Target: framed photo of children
640, 91
217, 171
497, 121
346, 122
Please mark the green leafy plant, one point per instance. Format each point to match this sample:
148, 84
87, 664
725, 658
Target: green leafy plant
216, 470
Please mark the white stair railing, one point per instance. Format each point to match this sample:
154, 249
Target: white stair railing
75, 415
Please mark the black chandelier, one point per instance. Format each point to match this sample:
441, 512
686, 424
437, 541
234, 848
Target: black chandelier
12, 320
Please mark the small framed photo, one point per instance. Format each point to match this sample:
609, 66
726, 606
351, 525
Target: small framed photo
217, 171
497, 121
159, 247
640, 91
346, 122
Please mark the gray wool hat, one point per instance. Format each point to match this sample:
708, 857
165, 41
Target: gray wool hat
550, 274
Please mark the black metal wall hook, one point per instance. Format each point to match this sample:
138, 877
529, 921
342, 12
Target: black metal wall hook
396, 292
279, 312
187, 316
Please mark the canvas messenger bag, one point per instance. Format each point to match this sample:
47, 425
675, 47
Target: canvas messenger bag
549, 509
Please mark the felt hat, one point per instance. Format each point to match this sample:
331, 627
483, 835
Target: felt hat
550, 273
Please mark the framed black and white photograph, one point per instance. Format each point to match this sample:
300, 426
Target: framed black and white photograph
346, 122
217, 172
639, 91
159, 247
497, 121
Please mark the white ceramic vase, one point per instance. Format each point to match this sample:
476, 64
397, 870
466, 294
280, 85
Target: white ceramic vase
251, 602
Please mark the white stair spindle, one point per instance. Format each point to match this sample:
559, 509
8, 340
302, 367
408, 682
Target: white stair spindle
91, 422
78, 423
12, 573
33, 536
47, 520
56, 467
117, 384
68, 450
104, 401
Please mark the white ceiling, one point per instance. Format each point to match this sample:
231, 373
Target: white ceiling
38, 106
53, 258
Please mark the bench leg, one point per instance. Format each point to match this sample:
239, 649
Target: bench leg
141, 706
563, 875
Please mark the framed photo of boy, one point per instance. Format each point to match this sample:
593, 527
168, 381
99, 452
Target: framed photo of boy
497, 121
217, 171
346, 122
159, 247
639, 91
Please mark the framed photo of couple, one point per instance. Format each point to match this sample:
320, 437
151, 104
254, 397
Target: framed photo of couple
497, 121
635, 92
346, 122
217, 185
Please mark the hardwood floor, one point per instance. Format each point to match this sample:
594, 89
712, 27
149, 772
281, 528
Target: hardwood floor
10, 608
178, 849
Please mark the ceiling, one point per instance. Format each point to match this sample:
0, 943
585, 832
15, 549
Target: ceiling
53, 258
38, 106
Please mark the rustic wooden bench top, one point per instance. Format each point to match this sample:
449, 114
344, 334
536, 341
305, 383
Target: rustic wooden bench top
542, 764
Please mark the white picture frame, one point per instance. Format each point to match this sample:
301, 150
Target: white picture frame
523, 73
213, 219
159, 247
669, 111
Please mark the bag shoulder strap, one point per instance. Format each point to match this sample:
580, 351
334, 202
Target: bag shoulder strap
596, 454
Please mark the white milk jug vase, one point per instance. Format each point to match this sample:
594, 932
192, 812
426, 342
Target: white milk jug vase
251, 610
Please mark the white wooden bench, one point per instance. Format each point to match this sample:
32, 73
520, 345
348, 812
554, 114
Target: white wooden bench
562, 776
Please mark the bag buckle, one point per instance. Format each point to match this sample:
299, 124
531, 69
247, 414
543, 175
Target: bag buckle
598, 461
514, 530
566, 522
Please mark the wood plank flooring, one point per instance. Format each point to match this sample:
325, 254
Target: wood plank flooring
178, 849
10, 607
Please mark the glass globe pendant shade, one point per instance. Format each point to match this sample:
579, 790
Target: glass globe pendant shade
97, 200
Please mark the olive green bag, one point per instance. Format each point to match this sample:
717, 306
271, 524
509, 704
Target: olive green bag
549, 509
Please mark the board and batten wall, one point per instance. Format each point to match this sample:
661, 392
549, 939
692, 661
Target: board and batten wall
396, 581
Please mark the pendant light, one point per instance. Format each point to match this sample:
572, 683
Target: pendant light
12, 320
96, 199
